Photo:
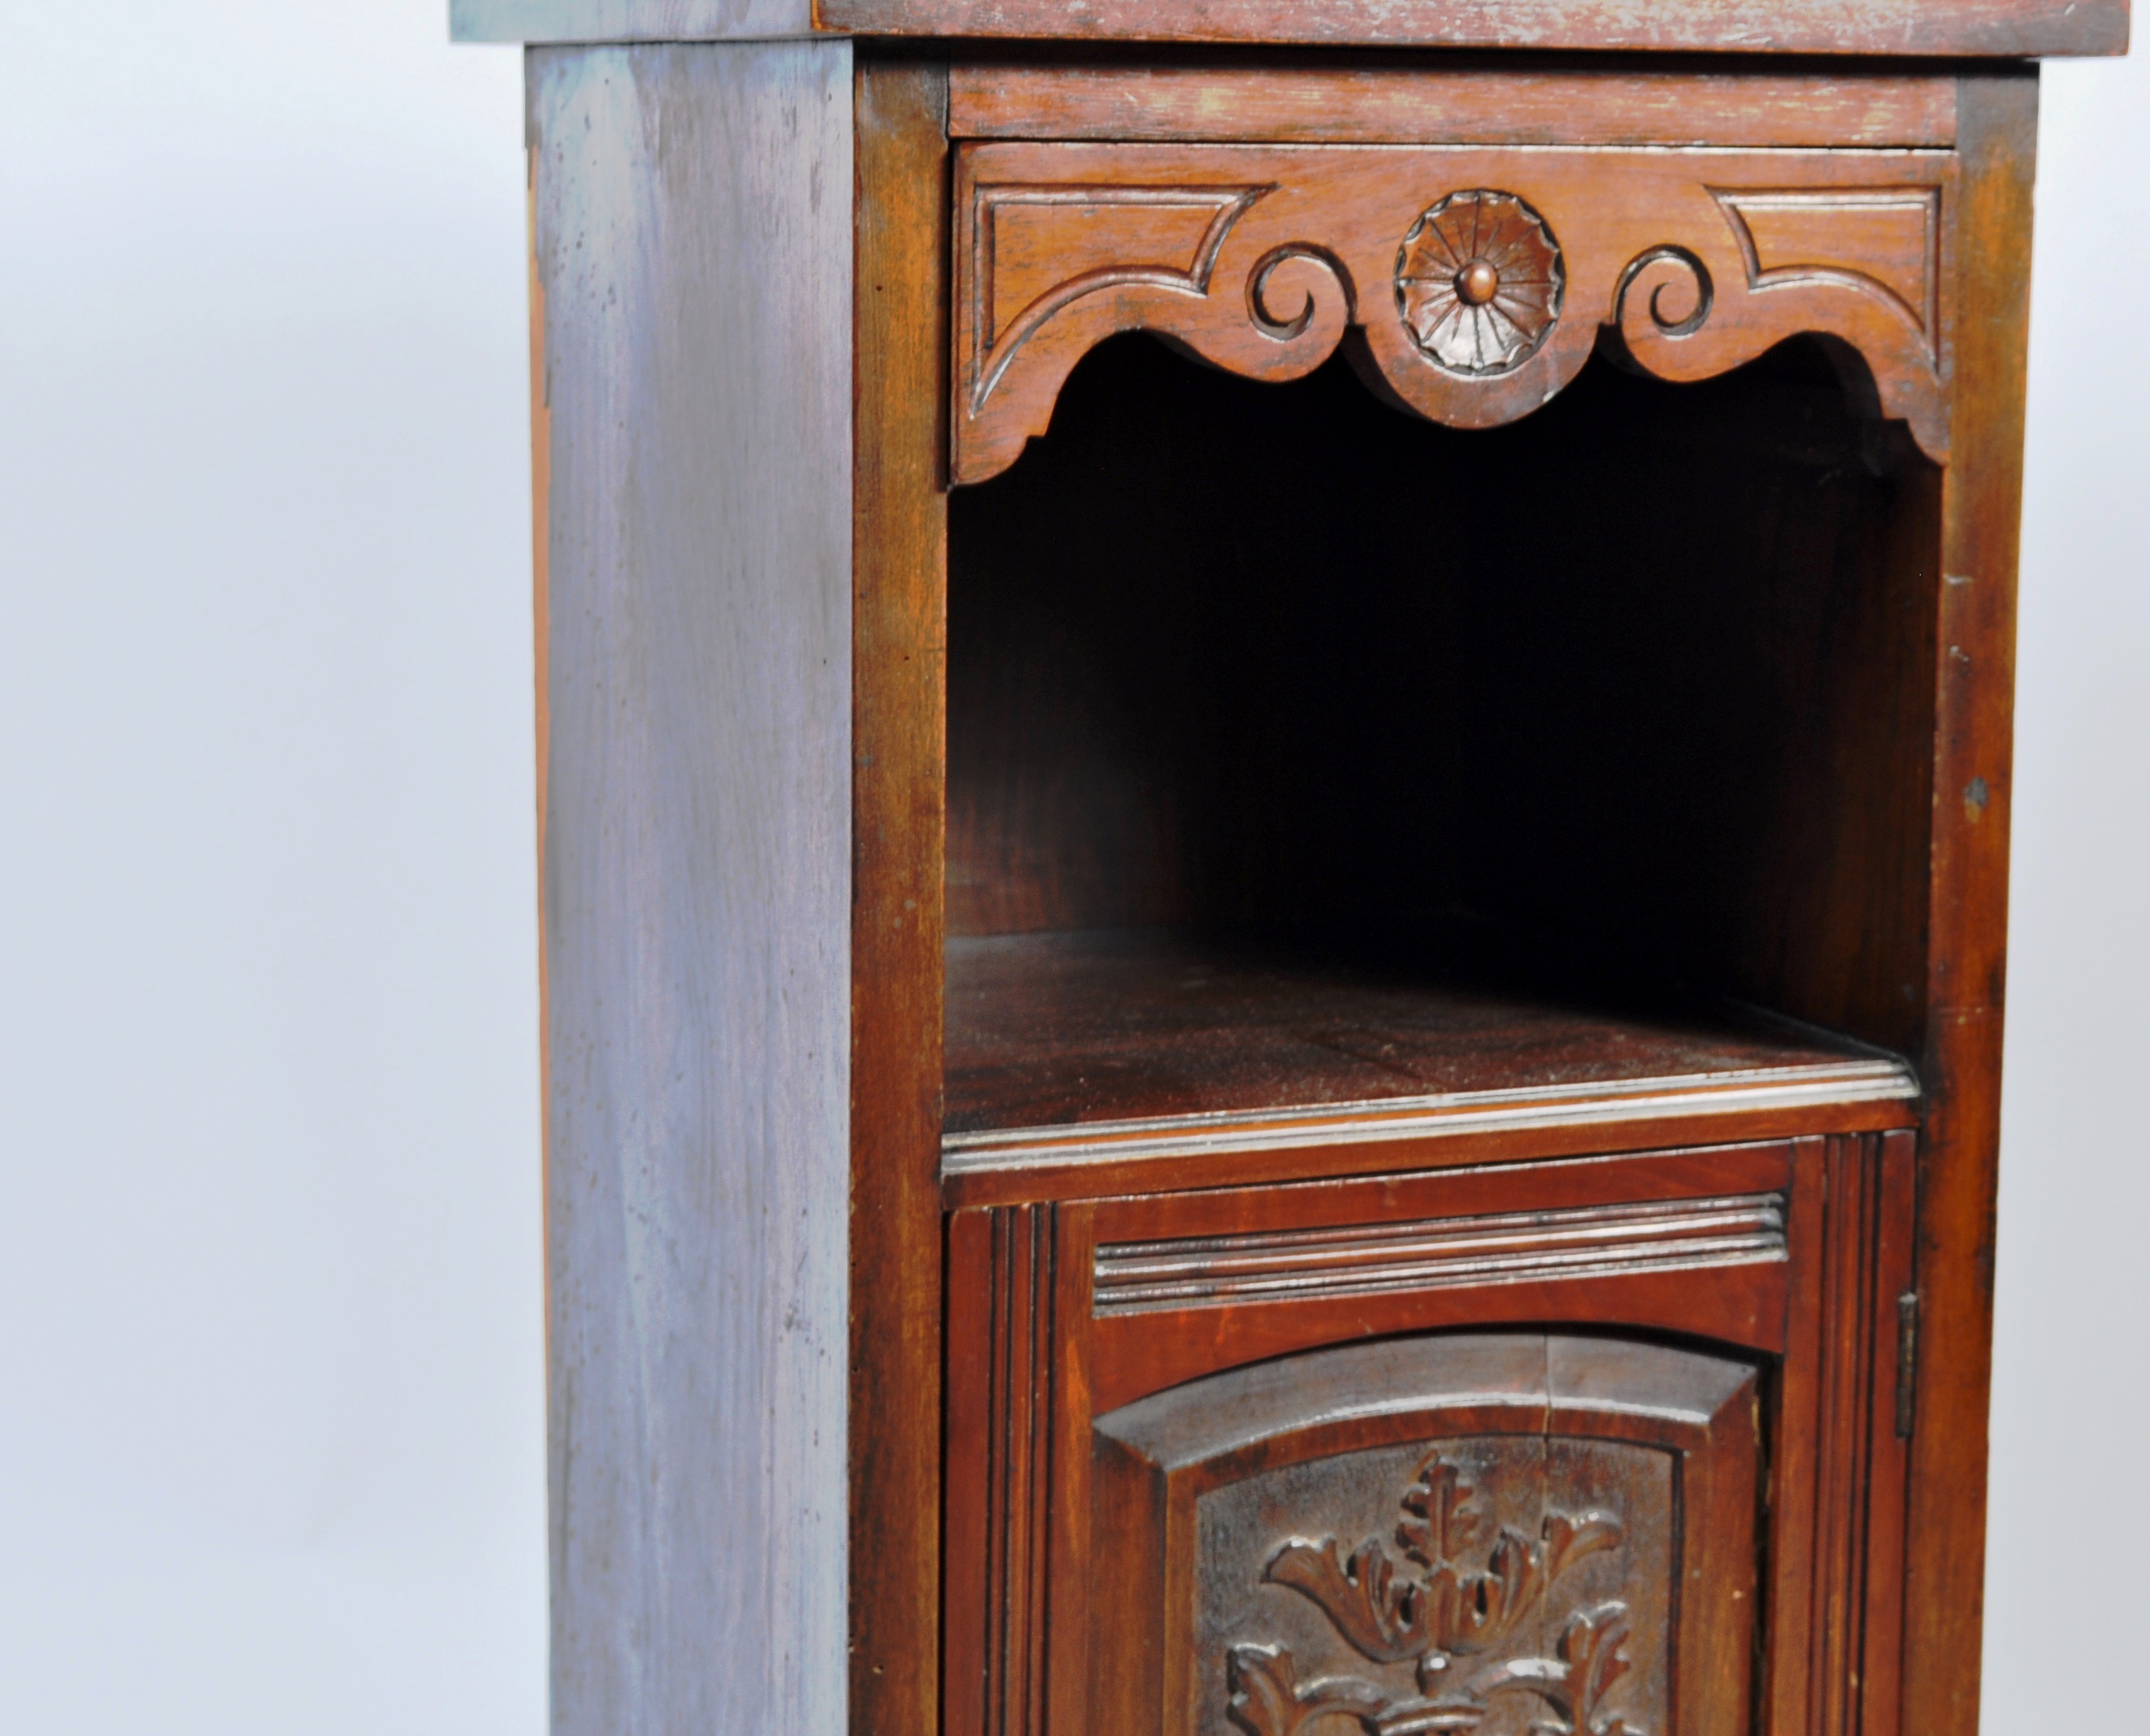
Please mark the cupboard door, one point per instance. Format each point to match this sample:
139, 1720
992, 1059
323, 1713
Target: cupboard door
1112, 1361
1516, 1534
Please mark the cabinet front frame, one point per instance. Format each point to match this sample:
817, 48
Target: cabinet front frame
903, 116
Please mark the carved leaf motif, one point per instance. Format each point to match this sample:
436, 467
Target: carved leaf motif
1268, 1701
1390, 1618
1504, 1594
1569, 1540
1381, 1615
1590, 1647
1574, 1684
1469, 1612
1437, 1521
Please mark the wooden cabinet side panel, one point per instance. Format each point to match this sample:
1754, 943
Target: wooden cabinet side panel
697, 853
899, 531
1944, 1564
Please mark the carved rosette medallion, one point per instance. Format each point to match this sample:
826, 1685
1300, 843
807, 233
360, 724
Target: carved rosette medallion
1503, 1630
1479, 283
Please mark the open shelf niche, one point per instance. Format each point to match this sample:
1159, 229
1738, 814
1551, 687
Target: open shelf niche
1302, 754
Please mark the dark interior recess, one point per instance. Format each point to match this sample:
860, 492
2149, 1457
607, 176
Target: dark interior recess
1646, 676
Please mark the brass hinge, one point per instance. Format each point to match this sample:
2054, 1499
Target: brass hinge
1907, 1360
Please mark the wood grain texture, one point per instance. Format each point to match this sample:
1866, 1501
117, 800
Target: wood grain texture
976, 1429
1789, 1689
1983, 27
1997, 27
1000, 1330
1170, 1035
1880, 1665
541, 590
1071, 1580
899, 543
1094, 1064
694, 254
1210, 1395
1264, 260
1855, 1339
626, 21
1397, 101
1973, 731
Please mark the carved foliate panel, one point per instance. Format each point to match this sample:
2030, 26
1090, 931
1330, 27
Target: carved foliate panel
1471, 283
1505, 1533
1515, 1585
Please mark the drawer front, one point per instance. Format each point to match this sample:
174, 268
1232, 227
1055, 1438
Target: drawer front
1470, 284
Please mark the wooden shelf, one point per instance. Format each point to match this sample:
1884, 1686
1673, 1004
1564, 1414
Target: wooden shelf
1084, 1047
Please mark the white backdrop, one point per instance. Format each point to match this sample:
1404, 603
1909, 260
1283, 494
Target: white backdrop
270, 1376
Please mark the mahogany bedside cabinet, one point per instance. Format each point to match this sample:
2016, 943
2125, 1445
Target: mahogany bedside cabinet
1274, 792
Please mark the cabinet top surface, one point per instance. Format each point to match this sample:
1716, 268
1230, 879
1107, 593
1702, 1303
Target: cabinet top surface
2005, 28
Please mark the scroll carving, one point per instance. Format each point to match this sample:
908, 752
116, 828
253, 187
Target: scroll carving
1479, 281
1649, 275
1885, 243
1467, 1630
1014, 282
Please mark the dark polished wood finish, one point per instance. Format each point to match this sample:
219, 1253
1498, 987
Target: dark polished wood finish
899, 533
1973, 726
1650, 673
1187, 1343
1264, 260
1984, 29
1060, 1030
1422, 899
1404, 99
1559, 1497
1990, 27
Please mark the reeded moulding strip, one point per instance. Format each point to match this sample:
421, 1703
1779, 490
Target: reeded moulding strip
1477, 1248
